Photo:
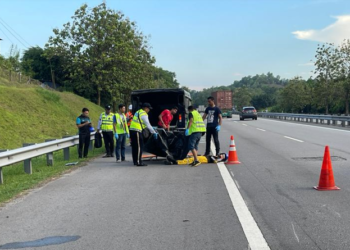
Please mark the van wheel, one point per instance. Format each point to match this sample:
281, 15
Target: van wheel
241, 119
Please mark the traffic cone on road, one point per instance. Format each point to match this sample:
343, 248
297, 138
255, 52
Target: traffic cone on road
326, 177
232, 154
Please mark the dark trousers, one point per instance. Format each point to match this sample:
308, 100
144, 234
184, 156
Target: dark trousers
84, 141
108, 138
120, 147
211, 131
136, 145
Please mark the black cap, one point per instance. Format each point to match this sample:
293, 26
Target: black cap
108, 107
146, 105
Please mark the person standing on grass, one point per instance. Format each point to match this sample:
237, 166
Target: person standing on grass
121, 132
195, 130
214, 120
84, 124
105, 124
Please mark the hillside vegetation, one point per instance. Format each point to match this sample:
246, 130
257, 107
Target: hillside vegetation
33, 114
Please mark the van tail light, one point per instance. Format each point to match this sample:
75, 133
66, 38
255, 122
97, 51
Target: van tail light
180, 118
254, 111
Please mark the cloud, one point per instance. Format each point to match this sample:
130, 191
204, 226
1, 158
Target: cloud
237, 74
334, 33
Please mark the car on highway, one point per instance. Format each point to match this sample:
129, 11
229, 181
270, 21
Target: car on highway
248, 112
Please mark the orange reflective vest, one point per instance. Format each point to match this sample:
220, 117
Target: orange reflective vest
129, 117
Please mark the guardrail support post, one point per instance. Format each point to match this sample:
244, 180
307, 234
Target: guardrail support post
1, 176
49, 156
66, 151
28, 163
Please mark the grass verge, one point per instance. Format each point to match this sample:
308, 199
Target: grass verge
17, 182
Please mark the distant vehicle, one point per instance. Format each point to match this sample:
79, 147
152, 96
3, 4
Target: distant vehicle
227, 114
248, 112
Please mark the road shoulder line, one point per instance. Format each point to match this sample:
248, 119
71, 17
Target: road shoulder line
251, 230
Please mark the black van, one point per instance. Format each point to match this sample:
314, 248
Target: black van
161, 99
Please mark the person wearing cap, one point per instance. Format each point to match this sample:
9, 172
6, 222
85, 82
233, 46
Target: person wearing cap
166, 117
195, 130
105, 124
121, 132
139, 122
83, 123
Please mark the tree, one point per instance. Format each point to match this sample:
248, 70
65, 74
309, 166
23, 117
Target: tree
344, 51
242, 97
327, 69
295, 96
104, 51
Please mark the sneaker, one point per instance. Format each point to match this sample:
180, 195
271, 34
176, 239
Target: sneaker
119, 161
195, 164
124, 160
191, 164
106, 156
112, 155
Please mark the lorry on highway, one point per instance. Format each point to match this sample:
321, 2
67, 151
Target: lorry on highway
223, 100
173, 144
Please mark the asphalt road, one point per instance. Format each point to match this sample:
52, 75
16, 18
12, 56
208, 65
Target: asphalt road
106, 205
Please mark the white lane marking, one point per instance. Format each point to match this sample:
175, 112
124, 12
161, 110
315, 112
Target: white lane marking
292, 123
251, 230
296, 236
261, 129
293, 139
244, 124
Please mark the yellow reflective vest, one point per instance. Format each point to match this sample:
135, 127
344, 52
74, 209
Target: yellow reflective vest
121, 124
107, 122
135, 123
197, 123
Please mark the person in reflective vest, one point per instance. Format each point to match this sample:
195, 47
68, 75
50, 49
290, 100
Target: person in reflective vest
121, 132
105, 124
195, 130
140, 121
83, 123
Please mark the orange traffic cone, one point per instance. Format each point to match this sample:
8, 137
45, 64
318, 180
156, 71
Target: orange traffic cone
326, 177
232, 154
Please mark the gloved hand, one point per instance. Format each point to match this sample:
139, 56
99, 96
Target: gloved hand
128, 135
116, 136
155, 136
218, 128
187, 132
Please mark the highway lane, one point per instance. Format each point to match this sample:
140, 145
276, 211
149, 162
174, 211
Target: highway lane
276, 179
106, 205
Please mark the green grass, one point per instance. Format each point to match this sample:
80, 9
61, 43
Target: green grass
31, 114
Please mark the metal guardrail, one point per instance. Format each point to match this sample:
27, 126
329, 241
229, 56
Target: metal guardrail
318, 119
30, 151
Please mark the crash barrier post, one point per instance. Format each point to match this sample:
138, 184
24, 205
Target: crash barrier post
49, 156
1, 175
326, 181
28, 162
66, 154
232, 154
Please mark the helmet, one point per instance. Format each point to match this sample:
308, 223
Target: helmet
92, 129
130, 107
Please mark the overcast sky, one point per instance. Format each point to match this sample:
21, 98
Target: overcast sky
205, 42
